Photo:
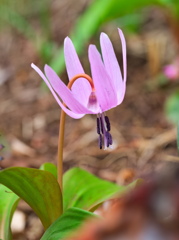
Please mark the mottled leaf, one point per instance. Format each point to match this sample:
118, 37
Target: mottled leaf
38, 188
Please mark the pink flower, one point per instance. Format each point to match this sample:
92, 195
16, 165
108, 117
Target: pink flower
109, 85
171, 71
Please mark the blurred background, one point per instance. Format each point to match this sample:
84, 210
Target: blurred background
143, 126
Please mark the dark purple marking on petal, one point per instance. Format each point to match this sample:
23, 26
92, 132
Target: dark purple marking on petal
92, 98
100, 141
108, 125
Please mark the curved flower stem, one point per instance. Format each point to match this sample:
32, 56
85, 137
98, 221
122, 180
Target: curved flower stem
60, 149
62, 130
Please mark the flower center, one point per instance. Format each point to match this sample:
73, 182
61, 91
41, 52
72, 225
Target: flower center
103, 129
103, 123
92, 102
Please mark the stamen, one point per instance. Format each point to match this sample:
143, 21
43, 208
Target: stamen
108, 138
1, 158
103, 128
101, 125
98, 125
108, 125
100, 141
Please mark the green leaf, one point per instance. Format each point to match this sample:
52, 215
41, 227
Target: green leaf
65, 224
8, 203
38, 188
84, 190
50, 167
172, 107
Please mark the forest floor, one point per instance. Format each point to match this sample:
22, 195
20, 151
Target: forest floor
144, 140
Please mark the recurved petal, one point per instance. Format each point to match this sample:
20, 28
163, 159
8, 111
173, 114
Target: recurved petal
69, 112
64, 93
110, 61
81, 88
124, 55
104, 86
112, 65
121, 92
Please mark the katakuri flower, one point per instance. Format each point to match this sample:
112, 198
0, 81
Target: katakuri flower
171, 71
109, 84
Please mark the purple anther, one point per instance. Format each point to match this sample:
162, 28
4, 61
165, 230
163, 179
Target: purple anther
110, 139
100, 141
1, 158
107, 139
108, 125
101, 125
98, 125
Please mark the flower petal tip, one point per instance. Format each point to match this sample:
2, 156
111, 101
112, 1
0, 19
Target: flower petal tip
46, 66
32, 65
67, 40
91, 47
48, 69
121, 33
35, 68
103, 35
49, 72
